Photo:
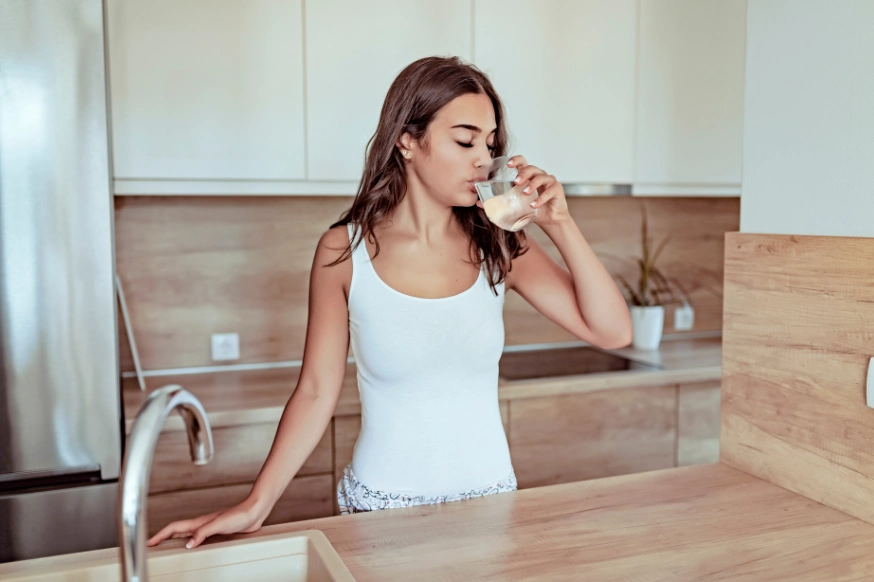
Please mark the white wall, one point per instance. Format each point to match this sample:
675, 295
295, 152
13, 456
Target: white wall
808, 165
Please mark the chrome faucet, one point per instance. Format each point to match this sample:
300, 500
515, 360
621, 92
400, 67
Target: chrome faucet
137, 468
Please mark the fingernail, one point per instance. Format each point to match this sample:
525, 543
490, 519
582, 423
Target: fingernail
189, 544
527, 189
533, 204
510, 163
517, 179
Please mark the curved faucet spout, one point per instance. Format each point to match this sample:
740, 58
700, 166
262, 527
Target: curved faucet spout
137, 468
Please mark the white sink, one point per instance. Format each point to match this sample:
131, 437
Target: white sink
298, 557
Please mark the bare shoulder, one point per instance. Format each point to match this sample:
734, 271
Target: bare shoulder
331, 248
334, 241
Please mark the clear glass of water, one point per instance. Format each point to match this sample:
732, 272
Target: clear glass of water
504, 202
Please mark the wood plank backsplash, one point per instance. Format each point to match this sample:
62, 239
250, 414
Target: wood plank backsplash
194, 266
798, 333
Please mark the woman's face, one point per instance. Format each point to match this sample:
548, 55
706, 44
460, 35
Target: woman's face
460, 138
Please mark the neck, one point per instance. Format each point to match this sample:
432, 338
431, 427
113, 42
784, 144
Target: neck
421, 216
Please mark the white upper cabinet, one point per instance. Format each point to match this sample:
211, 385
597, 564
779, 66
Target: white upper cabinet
207, 89
354, 50
565, 70
690, 96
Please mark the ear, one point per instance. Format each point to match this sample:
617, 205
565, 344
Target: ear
406, 142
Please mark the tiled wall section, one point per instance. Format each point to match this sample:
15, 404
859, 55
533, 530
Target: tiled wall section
194, 266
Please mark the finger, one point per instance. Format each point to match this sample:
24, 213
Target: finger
517, 162
213, 527
543, 199
550, 193
541, 183
182, 528
177, 528
527, 173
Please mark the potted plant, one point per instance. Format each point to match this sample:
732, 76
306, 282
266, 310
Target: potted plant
652, 292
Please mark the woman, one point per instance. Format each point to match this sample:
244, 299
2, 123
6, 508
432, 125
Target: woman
415, 276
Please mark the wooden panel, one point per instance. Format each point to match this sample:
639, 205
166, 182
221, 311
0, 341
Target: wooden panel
241, 264
561, 439
240, 452
698, 424
305, 498
799, 330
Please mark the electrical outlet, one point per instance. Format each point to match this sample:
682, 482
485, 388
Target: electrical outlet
684, 318
225, 346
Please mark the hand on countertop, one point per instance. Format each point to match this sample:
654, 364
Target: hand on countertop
242, 518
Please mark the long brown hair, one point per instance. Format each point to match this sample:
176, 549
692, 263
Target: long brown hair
413, 100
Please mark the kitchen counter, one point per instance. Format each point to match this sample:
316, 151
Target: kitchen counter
235, 398
708, 522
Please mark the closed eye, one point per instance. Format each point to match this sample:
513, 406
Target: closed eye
470, 145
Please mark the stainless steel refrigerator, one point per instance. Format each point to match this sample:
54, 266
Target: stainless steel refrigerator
60, 413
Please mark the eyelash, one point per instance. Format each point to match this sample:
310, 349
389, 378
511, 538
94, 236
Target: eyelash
470, 145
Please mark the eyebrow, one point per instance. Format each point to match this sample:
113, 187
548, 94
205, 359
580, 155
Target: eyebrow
472, 128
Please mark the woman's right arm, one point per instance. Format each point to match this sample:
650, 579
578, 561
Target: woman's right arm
308, 411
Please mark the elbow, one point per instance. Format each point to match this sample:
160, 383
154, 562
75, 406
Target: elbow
617, 338
616, 343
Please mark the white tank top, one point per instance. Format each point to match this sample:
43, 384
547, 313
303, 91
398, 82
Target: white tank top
428, 382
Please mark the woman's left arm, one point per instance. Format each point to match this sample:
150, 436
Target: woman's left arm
585, 301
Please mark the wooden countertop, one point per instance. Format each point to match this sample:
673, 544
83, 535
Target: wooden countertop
233, 398
707, 522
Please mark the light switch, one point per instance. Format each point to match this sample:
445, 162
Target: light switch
684, 318
225, 346
869, 386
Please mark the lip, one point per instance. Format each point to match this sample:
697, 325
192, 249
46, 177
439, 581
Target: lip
471, 185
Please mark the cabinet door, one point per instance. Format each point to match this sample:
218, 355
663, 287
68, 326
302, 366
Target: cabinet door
698, 424
560, 439
690, 93
206, 89
565, 71
354, 50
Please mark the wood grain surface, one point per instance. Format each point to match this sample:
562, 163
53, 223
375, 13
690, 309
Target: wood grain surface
560, 439
708, 522
698, 423
799, 331
193, 266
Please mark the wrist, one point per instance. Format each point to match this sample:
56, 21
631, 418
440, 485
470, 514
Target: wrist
559, 227
257, 504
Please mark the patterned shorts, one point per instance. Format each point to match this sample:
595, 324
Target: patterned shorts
354, 497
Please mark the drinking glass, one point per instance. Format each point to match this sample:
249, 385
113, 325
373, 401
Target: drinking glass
504, 202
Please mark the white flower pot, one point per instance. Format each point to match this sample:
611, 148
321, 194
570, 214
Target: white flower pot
647, 324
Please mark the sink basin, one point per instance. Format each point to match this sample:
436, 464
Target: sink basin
565, 361
298, 557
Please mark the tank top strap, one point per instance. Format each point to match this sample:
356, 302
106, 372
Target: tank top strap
359, 255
